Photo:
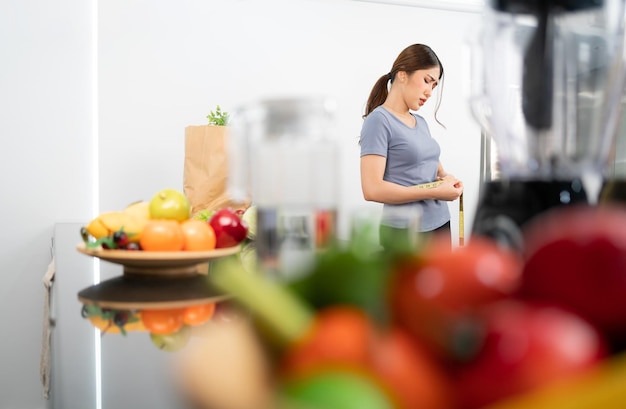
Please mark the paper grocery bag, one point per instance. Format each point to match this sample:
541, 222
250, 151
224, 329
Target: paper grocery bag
205, 178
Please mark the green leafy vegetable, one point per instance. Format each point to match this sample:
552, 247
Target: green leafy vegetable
204, 215
218, 117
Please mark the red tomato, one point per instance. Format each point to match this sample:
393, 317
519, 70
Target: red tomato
526, 347
429, 293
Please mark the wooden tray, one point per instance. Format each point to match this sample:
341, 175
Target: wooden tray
160, 262
130, 292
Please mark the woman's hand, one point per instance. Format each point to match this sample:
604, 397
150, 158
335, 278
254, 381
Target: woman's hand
447, 176
451, 188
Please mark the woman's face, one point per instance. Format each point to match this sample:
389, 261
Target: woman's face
419, 87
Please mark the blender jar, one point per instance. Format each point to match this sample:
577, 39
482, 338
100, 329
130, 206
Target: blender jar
548, 81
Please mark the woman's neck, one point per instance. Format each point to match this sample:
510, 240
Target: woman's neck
403, 115
403, 112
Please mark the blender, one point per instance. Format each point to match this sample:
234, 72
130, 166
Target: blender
547, 85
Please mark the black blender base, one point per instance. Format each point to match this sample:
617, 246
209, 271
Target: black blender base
505, 206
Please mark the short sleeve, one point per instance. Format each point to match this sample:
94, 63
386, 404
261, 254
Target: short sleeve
375, 134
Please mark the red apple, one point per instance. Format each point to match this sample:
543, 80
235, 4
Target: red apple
576, 257
525, 347
229, 228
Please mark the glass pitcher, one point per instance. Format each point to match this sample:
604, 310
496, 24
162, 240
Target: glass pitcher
284, 157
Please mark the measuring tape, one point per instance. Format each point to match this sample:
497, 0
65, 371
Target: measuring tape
461, 222
431, 185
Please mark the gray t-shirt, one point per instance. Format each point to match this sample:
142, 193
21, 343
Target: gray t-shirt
412, 159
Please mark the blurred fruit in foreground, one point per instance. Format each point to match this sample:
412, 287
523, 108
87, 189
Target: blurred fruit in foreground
226, 367
576, 258
340, 336
170, 204
162, 235
337, 389
413, 377
333, 339
365, 322
434, 293
345, 339
346, 276
526, 347
601, 387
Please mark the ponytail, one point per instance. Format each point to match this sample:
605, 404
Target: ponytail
379, 93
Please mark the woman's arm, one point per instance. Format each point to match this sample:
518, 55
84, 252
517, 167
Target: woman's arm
441, 173
375, 189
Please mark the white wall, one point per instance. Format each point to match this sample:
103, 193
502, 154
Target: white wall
45, 174
162, 66
165, 66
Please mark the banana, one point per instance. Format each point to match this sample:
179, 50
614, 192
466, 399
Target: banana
133, 219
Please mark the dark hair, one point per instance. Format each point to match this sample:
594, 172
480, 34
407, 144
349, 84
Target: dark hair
414, 57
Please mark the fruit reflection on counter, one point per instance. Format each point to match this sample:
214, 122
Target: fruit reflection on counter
474, 327
169, 329
165, 224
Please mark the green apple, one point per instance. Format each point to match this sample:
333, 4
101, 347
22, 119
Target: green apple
170, 204
172, 342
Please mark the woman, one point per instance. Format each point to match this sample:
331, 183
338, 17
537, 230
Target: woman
398, 151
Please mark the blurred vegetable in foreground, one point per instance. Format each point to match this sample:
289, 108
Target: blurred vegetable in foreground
429, 328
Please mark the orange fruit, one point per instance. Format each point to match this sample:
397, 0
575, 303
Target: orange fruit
163, 322
162, 235
198, 314
199, 235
